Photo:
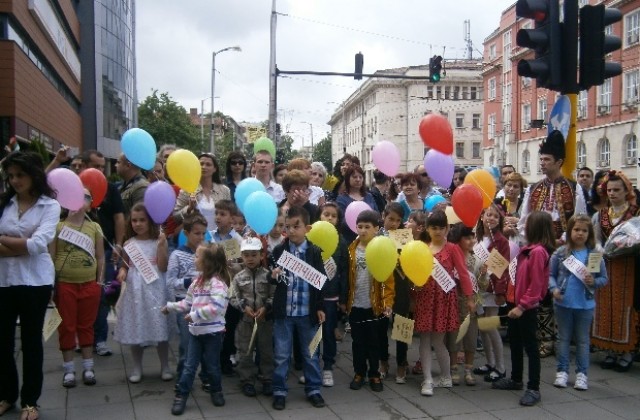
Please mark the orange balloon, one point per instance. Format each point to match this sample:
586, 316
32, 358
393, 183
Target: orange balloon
436, 133
485, 182
467, 203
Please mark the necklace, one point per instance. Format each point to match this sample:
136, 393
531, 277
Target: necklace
23, 208
617, 212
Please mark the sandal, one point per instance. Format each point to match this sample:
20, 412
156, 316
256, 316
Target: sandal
29, 413
69, 380
5, 406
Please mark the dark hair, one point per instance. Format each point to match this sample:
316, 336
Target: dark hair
480, 225
539, 230
195, 218
300, 212
463, 175
437, 218
379, 177
591, 237
369, 216
459, 231
347, 179
507, 166
351, 158
154, 229
214, 264
86, 155
597, 195
235, 156
421, 217
410, 177
334, 205
294, 177
586, 168
228, 206
216, 175
393, 207
31, 164
279, 168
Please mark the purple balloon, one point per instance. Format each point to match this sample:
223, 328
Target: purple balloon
352, 212
159, 199
439, 167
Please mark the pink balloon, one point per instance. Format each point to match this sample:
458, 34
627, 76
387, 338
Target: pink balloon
159, 199
439, 167
386, 157
352, 212
68, 188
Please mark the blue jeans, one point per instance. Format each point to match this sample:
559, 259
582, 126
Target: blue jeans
329, 345
101, 326
283, 341
573, 323
205, 348
183, 348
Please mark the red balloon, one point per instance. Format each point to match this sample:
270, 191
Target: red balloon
436, 133
96, 182
467, 203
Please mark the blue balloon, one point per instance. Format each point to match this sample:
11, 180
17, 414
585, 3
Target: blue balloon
182, 238
245, 188
431, 202
139, 148
261, 212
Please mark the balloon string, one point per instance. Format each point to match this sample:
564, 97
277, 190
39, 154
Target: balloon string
113, 248
473, 178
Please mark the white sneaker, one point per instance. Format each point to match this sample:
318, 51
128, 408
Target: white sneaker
561, 380
301, 379
327, 378
166, 375
135, 377
582, 383
427, 388
444, 383
233, 359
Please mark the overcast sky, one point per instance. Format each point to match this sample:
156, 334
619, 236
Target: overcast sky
175, 41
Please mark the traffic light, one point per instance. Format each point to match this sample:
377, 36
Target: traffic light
545, 39
359, 65
435, 67
595, 45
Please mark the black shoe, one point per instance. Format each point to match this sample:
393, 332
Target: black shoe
206, 387
316, 400
217, 398
375, 384
608, 363
278, 402
494, 375
267, 389
623, 365
482, 370
249, 390
357, 382
530, 398
179, 404
507, 384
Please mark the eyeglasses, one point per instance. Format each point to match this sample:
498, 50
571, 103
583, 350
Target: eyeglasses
237, 162
87, 197
426, 175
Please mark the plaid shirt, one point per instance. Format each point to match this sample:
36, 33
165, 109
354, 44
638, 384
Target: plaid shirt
298, 289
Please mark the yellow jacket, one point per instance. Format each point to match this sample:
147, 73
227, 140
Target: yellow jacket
381, 294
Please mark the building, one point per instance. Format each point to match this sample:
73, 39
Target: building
391, 109
607, 115
224, 124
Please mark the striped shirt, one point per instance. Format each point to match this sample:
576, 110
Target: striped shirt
362, 295
298, 289
181, 271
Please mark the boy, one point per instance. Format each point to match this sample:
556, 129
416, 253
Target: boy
252, 294
297, 306
225, 211
275, 236
240, 224
367, 300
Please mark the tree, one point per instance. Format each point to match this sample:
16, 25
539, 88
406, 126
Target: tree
168, 122
322, 152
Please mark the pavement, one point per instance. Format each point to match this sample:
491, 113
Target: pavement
611, 395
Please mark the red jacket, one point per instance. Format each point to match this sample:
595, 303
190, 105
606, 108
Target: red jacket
532, 277
498, 285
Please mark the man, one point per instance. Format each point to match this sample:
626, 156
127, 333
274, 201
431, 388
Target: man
134, 185
505, 171
264, 168
77, 165
379, 189
585, 179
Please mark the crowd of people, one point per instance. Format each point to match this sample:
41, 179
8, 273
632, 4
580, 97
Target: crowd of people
206, 277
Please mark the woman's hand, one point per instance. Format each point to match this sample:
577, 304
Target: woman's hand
193, 202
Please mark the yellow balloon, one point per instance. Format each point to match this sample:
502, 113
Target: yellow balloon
324, 235
416, 261
184, 170
485, 182
381, 257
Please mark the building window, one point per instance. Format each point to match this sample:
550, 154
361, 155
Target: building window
542, 109
473, 93
491, 126
604, 97
582, 154
476, 150
526, 117
491, 94
631, 149
604, 153
459, 120
456, 92
492, 51
632, 28
583, 97
631, 87
526, 162
506, 51
475, 122
438, 92
460, 149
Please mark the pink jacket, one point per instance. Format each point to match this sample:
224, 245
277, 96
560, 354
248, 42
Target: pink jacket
532, 277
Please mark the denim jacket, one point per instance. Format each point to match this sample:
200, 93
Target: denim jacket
559, 274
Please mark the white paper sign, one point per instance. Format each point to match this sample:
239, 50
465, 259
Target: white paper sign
593, 264
512, 270
481, 252
140, 261
315, 341
402, 329
331, 268
51, 323
442, 277
79, 239
301, 269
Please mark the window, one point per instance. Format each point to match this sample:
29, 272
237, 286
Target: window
438, 92
491, 126
542, 109
604, 96
506, 101
631, 149
459, 120
631, 87
476, 150
506, 51
460, 149
475, 122
526, 117
526, 162
447, 92
456, 92
582, 154
604, 152
632, 28
491, 94
473, 93
583, 97
492, 51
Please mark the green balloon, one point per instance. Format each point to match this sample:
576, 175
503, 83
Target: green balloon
264, 144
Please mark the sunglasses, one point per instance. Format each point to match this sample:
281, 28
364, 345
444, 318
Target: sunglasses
87, 197
237, 162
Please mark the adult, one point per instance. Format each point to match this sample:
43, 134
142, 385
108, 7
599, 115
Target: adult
28, 223
157, 173
264, 166
209, 191
77, 165
134, 183
598, 195
279, 172
340, 170
316, 194
411, 184
165, 151
318, 174
615, 328
427, 190
459, 174
236, 171
296, 188
505, 171
354, 190
379, 189
111, 219
511, 204
585, 179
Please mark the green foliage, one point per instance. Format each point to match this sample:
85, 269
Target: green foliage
39, 147
322, 152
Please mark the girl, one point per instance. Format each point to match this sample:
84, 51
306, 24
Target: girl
142, 276
489, 234
206, 303
532, 278
510, 204
78, 254
574, 299
437, 301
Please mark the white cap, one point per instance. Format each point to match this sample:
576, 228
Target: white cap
251, 244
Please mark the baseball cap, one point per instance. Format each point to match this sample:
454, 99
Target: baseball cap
251, 244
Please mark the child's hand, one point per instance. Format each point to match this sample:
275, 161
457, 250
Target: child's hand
260, 313
122, 275
249, 312
321, 317
162, 241
343, 307
515, 313
276, 272
164, 310
387, 312
471, 304
557, 294
589, 280
188, 318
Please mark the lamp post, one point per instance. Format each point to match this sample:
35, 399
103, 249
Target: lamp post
311, 128
213, 87
202, 117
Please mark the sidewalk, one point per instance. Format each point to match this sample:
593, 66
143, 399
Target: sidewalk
611, 395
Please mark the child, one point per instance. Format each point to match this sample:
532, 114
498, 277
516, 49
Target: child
139, 322
225, 211
252, 294
532, 278
574, 299
240, 224
297, 306
489, 233
334, 293
367, 301
180, 274
78, 255
205, 305
436, 308
275, 236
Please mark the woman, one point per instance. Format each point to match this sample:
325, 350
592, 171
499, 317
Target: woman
279, 172
296, 188
510, 204
340, 170
459, 174
615, 328
318, 174
411, 184
27, 226
210, 190
236, 171
354, 190
316, 194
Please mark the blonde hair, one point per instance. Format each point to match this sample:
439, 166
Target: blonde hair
214, 263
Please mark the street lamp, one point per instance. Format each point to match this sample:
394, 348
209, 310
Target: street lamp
202, 117
213, 87
311, 128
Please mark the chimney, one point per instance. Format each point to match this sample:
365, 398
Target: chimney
193, 112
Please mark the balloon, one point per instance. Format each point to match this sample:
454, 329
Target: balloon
182, 237
245, 188
467, 203
439, 167
381, 257
264, 144
139, 148
431, 202
352, 212
324, 235
386, 157
452, 217
416, 261
436, 133
485, 182
261, 212
184, 170
68, 188
96, 182
159, 199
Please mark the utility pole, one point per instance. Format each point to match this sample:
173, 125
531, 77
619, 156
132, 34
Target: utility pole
273, 77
